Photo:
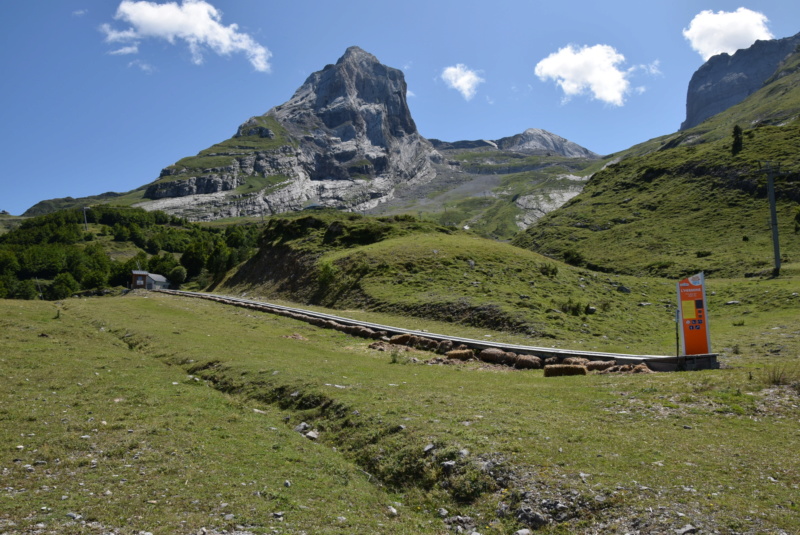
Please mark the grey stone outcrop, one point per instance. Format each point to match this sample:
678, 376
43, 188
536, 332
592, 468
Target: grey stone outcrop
725, 80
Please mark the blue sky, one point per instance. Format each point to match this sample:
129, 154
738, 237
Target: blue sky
100, 95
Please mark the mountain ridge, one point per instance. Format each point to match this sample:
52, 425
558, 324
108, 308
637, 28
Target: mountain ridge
345, 139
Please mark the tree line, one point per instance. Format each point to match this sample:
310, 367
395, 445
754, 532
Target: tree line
56, 255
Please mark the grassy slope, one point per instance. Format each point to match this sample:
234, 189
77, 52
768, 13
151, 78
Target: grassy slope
684, 203
701, 444
128, 441
9, 222
430, 273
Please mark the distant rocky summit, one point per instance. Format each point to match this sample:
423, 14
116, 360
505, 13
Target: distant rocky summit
533, 141
726, 80
538, 141
345, 140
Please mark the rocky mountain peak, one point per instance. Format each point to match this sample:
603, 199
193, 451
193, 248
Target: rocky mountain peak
344, 140
356, 97
355, 54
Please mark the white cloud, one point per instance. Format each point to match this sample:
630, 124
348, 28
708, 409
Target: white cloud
410, 93
591, 68
80, 12
653, 69
462, 79
114, 36
132, 49
141, 65
713, 33
196, 22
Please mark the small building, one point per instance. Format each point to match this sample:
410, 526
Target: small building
148, 281
156, 282
138, 279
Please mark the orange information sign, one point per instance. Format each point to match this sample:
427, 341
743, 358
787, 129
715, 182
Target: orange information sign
692, 316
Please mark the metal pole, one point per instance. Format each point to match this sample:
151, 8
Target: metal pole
85, 223
773, 217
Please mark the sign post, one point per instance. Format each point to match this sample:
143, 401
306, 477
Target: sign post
693, 316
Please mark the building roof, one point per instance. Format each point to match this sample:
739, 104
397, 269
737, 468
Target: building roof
156, 277
138, 272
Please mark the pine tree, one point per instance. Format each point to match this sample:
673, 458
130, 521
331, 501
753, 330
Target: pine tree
736, 148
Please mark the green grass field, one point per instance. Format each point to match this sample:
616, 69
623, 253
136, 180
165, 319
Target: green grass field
151, 412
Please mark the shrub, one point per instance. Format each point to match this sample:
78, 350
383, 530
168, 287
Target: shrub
326, 274
780, 375
548, 270
574, 258
64, 285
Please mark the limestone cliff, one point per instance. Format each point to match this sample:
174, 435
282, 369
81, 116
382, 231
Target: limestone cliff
726, 80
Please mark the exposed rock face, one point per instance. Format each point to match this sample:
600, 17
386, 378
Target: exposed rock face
360, 125
345, 139
538, 141
545, 200
726, 80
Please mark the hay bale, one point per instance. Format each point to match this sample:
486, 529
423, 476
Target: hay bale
444, 346
557, 370
599, 365
508, 358
413, 340
492, 355
549, 361
400, 339
528, 362
364, 332
460, 354
425, 344
578, 361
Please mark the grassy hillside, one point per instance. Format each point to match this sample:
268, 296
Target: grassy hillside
68, 203
9, 222
171, 415
691, 203
426, 272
